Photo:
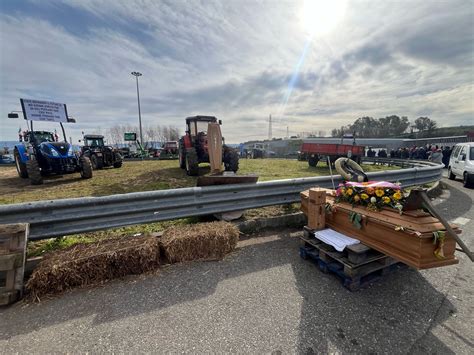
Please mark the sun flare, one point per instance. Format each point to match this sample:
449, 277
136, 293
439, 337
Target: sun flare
319, 17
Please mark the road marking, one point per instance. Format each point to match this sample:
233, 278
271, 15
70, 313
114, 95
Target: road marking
461, 220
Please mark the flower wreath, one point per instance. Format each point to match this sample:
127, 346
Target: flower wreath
372, 194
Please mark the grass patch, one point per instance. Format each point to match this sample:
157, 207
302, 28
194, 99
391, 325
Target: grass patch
272, 211
132, 177
147, 175
41, 247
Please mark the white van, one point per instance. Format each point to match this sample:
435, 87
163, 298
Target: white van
461, 163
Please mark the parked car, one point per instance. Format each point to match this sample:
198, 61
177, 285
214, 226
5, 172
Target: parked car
461, 163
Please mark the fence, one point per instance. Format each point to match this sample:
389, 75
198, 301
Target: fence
57, 218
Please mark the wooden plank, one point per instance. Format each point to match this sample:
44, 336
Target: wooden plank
214, 140
353, 278
13, 239
7, 297
317, 209
9, 229
11, 261
369, 268
10, 280
317, 195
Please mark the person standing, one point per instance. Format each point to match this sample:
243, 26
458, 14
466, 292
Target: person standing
436, 156
446, 155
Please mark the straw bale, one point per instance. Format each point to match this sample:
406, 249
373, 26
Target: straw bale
203, 241
86, 264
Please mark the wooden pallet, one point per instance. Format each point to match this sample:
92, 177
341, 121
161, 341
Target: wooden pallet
353, 255
357, 265
13, 238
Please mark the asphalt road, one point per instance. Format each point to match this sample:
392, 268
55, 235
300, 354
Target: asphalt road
261, 298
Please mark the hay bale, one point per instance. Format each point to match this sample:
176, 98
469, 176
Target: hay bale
204, 241
87, 264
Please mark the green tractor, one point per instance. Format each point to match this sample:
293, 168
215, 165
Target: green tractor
99, 154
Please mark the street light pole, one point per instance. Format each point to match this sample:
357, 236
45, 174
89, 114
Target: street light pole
136, 75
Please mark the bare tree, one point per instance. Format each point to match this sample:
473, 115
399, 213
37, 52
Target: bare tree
174, 133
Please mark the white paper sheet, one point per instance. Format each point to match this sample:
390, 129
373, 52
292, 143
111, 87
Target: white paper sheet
337, 240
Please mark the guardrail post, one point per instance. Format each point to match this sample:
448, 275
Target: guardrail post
13, 239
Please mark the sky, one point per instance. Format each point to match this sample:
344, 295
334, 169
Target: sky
312, 65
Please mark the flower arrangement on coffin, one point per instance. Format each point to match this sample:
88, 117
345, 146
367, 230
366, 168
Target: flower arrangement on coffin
373, 194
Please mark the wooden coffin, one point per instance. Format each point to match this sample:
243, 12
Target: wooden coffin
407, 237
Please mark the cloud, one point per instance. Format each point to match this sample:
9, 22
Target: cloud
235, 60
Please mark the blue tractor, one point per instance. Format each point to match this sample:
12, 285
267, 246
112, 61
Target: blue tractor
40, 154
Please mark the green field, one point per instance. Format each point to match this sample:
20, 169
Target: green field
147, 175
137, 176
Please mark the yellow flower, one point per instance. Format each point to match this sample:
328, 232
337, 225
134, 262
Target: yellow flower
356, 198
379, 192
364, 196
397, 195
349, 192
386, 199
370, 190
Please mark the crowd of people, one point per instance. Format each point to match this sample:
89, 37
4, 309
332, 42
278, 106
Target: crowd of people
429, 152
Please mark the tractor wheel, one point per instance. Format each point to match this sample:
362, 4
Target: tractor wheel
20, 166
97, 163
117, 160
313, 161
86, 167
182, 160
192, 164
231, 160
182, 155
34, 172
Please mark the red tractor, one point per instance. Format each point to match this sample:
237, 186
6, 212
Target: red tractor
194, 147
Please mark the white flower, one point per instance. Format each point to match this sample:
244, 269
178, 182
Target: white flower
373, 199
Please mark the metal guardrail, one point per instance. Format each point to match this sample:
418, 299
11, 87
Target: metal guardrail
403, 163
79, 215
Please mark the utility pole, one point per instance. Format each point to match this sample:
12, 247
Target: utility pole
136, 75
287, 132
270, 128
